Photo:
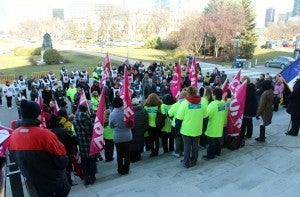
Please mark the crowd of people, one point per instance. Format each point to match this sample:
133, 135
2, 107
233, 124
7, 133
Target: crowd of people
197, 119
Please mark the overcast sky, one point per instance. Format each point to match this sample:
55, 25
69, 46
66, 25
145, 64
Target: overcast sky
20, 9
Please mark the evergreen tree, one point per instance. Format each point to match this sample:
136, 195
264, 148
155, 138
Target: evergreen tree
249, 37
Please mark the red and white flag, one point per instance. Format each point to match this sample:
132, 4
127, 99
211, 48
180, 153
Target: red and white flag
43, 120
193, 74
107, 62
55, 108
225, 88
97, 143
4, 139
175, 86
128, 108
83, 101
235, 82
236, 110
104, 77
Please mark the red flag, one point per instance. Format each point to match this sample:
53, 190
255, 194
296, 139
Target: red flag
43, 120
55, 108
235, 82
225, 88
236, 110
104, 77
176, 82
193, 74
97, 143
4, 139
82, 100
107, 62
128, 108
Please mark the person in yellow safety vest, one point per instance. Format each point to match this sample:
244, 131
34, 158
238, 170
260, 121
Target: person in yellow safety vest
216, 112
189, 121
171, 113
95, 101
166, 137
95, 75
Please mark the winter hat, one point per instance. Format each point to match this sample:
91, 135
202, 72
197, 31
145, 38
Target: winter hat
29, 109
82, 108
117, 102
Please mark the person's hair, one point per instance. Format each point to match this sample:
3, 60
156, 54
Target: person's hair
71, 117
217, 92
183, 94
168, 99
266, 85
95, 93
192, 91
117, 102
207, 92
246, 78
63, 113
152, 100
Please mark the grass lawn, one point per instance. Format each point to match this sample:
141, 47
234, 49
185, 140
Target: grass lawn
135, 52
10, 64
263, 55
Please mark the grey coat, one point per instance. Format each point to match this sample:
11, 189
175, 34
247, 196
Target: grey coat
116, 122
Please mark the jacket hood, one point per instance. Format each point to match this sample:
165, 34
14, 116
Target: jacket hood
193, 99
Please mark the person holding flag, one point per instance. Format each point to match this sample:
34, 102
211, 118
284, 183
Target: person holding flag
83, 126
122, 135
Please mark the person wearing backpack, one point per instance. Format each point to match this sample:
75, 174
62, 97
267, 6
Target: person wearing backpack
189, 121
166, 137
151, 105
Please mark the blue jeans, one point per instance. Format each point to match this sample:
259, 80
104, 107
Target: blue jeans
190, 146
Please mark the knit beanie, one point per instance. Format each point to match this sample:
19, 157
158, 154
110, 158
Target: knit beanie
29, 109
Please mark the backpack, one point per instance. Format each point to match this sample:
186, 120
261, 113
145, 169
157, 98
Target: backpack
160, 119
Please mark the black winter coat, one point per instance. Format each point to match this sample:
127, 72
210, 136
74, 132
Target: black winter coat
294, 100
141, 122
251, 103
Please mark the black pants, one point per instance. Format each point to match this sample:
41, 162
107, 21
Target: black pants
246, 128
8, 100
214, 147
147, 143
65, 87
123, 157
24, 93
154, 138
295, 124
276, 103
109, 149
135, 155
167, 141
203, 137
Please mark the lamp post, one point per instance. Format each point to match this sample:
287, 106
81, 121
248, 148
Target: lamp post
297, 47
204, 51
236, 45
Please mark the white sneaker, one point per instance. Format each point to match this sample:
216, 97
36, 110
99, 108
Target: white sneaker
175, 154
9, 108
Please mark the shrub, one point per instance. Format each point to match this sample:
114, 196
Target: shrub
37, 51
23, 51
52, 56
151, 43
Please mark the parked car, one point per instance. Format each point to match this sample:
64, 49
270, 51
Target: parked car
279, 62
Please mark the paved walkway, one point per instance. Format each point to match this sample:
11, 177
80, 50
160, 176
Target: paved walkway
258, 169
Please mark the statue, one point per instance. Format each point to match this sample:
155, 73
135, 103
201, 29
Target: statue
47, 44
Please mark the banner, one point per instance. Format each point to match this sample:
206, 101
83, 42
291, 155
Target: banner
290, 73
104, 77
176, 82
4, 139
235, 82
97, 143
236, 110
127, 105
107, 62
225, 88
55, 108
193, 74
43, 120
